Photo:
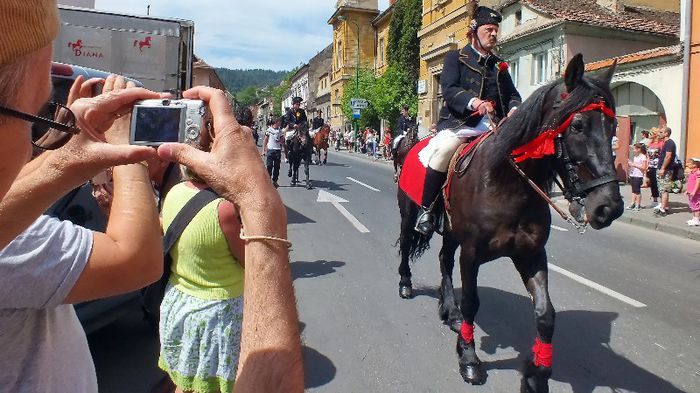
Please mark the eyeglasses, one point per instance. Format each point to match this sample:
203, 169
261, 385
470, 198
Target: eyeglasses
52, 129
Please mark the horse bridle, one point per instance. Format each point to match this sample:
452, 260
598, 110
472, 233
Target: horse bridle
574, 189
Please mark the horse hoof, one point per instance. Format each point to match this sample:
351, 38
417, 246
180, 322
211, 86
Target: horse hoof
405, 291
473, 374
535, 379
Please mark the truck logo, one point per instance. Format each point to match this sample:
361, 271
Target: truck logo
80, 50
146, 43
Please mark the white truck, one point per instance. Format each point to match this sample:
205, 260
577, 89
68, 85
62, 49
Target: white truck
158, 52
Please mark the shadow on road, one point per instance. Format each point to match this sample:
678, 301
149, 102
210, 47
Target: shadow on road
301, 269
318, 369
328, 185
583, 357
294, 217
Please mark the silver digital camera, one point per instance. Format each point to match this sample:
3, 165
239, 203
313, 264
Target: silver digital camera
154, 122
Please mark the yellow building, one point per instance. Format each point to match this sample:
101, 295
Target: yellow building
381, 26
445, 27
352, 20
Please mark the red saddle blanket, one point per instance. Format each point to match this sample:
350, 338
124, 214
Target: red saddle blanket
412, 178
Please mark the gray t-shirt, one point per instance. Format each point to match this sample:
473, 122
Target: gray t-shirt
43, 348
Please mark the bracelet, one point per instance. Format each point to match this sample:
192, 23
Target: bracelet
270, 238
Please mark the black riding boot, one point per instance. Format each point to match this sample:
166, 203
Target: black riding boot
434, 181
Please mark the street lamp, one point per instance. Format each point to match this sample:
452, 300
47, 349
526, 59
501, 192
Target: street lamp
343, 18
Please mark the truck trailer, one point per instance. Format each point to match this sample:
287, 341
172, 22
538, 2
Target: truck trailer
158, 52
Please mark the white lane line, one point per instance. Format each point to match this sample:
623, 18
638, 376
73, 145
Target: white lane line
354, 221
560, 229
363, 184
597, 286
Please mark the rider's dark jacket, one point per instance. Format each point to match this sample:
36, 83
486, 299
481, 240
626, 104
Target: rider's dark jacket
294, 117
316, 123
404, 124
466, 74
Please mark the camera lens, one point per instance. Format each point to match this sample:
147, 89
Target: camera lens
166, 102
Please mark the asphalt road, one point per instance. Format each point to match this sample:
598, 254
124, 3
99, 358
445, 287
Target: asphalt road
627, 300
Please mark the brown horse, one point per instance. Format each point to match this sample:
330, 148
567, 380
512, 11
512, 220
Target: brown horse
321, 143
495, 213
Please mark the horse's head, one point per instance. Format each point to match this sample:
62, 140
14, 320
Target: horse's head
584, 107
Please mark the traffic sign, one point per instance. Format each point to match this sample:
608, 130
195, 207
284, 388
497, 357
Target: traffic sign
356, 113
358, 103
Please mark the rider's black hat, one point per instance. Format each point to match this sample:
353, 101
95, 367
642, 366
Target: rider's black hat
297, 100
485, 16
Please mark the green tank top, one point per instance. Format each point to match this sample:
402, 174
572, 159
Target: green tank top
203, 265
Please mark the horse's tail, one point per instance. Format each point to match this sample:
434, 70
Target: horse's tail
411, 242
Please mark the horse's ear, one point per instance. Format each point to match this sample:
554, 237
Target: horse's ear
574, 72
608, 75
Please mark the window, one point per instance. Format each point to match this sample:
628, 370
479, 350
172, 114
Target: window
540, 67
518, 17
515, 71
339, 56
381, 51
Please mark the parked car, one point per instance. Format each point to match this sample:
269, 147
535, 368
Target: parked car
79, 207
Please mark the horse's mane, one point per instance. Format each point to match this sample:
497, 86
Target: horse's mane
527, 121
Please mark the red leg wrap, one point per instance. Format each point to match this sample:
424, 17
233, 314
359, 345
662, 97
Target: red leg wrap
467, 332
543, 353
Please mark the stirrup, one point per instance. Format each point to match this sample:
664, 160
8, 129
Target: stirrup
425, 225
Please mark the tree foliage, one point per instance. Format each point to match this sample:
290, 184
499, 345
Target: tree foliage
365, 90
391, 92
238, 80
404, 44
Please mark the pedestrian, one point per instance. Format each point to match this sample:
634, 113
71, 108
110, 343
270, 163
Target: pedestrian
272, 150
667, 156
615, 144
694, 191
645, 138
653, 149
270, 348
371, 143
202, 310
433, 129
387, 144
638, 167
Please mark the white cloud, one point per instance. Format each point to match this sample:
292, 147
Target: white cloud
247, 33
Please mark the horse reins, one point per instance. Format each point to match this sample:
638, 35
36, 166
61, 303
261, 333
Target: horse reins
550, 142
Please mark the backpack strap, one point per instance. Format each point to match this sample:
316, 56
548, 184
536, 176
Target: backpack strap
185, 216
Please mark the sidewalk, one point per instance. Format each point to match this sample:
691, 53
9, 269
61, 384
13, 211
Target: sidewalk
674, 223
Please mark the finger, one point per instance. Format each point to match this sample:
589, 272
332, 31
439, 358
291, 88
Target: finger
74, 92
130, 84
115, 155
185, 155
119, 83
115, 101
216, 100
86, 90
109, 84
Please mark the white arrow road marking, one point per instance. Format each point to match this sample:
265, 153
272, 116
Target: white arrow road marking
325, 196
597, 286
560, 229
363, 184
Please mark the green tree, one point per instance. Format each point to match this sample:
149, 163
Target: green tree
248, 96
391, 92
277, 94
404, 45
365, 90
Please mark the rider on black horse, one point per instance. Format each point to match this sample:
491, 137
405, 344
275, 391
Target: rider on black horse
478, 90
291, 121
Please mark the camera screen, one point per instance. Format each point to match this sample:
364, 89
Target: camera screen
157, 124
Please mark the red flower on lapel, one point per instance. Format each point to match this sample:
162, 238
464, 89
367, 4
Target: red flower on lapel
503, 67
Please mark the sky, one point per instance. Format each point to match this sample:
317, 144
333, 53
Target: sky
247, 34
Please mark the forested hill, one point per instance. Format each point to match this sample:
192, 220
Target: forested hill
237, 80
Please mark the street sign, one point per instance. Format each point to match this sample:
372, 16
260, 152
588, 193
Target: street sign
358, 103
356, 113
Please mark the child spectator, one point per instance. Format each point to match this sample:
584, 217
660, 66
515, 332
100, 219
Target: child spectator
638, 166
694, 192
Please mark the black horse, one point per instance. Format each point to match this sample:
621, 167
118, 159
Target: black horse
300, 149
495, 213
